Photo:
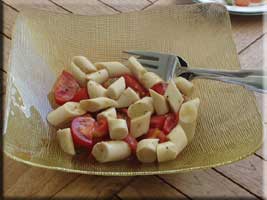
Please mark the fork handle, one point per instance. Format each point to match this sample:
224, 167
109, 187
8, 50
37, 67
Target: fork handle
255, 83
239, 73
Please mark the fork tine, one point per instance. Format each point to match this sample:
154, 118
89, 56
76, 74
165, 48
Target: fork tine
144, 53
153, 64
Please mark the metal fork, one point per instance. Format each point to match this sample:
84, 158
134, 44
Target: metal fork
168, 65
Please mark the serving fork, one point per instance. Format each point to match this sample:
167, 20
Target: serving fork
168, 66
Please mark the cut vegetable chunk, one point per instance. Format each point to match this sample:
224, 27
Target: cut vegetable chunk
111, 151
95, 89
97, 104
140, 125
116, 88
80, 66
146, 151
189, 110
185, 86
174, 96
65, 113
117, 128
178, 137
127, 97
108, 82
109, 113
84, 64
78, 74
159, 102
136, 68
141, 107
149, 79
188, 117
100, 76
166, 151
114, 68
65, 141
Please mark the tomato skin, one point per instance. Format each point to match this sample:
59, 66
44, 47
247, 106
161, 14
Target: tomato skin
133, 83
171, 121
101, 128
157, 121
82, 129
242, 2
156, 133
160, 88
65, 88
132, 142
81, 94
123, 111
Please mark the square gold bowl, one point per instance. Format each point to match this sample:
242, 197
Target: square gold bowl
228, 128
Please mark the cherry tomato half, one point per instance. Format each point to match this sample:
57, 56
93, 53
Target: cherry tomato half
170, 122
157, 121
156, 133
101, 128
65, 88
160, 88
132, 142
100, 139
81, 94
82, 129
133, 83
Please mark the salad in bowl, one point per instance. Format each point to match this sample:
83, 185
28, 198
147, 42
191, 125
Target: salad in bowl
113, 111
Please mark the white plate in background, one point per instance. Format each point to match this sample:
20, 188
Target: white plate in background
256, 9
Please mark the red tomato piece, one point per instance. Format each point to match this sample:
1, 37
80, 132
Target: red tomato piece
100, 139
133, 83
65, 88
81, 94
255, 1
242, 2
82, 129
156, 133
157, 121
170, 122
132, 142
101, 128
121, 115
160, 88
123, 111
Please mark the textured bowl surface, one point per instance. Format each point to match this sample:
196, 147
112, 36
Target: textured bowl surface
229, 125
